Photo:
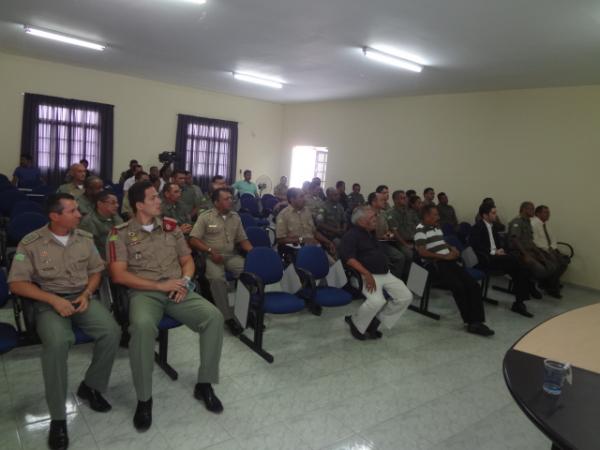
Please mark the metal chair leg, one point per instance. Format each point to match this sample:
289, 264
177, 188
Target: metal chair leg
161, 356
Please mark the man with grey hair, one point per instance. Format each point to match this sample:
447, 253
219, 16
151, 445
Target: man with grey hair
91, 188
361, 251
75, 186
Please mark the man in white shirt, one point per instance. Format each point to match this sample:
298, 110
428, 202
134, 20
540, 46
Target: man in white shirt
544, 239
129, 181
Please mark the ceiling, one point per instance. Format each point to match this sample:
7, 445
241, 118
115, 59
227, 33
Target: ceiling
314, 45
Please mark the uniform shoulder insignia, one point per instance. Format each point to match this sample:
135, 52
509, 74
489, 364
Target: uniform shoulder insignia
121, 225
29, 238
84, 233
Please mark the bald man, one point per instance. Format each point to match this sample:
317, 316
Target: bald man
75, 186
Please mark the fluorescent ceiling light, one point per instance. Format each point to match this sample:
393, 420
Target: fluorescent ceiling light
258, 80
62, 38
197, 2
392, 60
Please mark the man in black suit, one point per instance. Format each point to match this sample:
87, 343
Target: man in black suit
486, 243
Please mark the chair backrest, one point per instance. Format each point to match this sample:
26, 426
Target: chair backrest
44, 189
26, 206
269, 201
314, 260
265, 263
258, 237
417, 279
249, 203
24, 224
464, 230
469, 257
3, 288
8, 199
448, 229
455, 242
247, 220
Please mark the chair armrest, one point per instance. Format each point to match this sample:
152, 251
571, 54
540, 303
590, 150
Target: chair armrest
569, 246
24, 313
352, 273
309, 285
255, 286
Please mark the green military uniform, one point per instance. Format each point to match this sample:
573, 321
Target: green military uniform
154, 255
177, 211
447, 215
221, 233
408, 228
85, 205
100, 227
65, 271
190, 199
331, 214
314, 204
70, 188
397, 259
355, 200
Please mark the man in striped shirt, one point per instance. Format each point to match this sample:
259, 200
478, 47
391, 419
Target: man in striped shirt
429, 242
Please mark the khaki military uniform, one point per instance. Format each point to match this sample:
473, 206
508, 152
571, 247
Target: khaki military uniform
70, 188
292, 222
333, 215
177, 211
154, 255
221, 233
313, 203
65, 271
280, 191
397, 258
85, 205
100, 227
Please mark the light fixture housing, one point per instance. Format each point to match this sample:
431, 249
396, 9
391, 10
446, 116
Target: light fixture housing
392, 60
197, 2
258, 79
63, 38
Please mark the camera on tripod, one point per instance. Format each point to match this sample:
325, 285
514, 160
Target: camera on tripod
167, 158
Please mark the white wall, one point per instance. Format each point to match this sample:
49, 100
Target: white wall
541, 145
145, 113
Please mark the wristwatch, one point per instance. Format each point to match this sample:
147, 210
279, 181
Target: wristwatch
190, 285
209, 251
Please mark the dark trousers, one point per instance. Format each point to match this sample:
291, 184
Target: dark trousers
465, 290
510, 265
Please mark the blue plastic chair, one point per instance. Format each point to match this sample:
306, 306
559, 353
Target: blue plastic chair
8, 334
24, 224
26, 206
268, 202
248, 220
8, 199
455, 242
448, 229
263, 267
258, 237
312, 265
464, 230
44, 189
249, 204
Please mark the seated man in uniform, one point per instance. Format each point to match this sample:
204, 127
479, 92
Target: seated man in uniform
151, 257
447, 212
189, 197
102, 219
545, 240
171, 206
281, 189
87, 201
397, 223
75, 186
313, 200
355, 198
542, 266
429, 242
126, 174
399, 266
485, 241
361, 250
385, 193
331, 217
413, 217
428, 196
59, 268
216, 233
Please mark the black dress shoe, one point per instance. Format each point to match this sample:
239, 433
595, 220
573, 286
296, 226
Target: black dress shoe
58, 439
479, 328
314, 308
205, 393
142, 420
520, 308
95, 399
234, 327
372, 329
355, 333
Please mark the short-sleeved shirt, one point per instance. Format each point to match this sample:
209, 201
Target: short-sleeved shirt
412, 220
28, 177
153, 255
189, 199
293, 222
381, 225
244, 187
314, 204
44, 260
432, 239
100, 227
85, 205
219, 232
447, 215
280, 191
520, 229
70, 188
362, 245
177, 211
355, 200
331, 214
398, 220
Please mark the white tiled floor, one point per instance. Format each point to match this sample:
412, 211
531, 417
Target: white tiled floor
425, 385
